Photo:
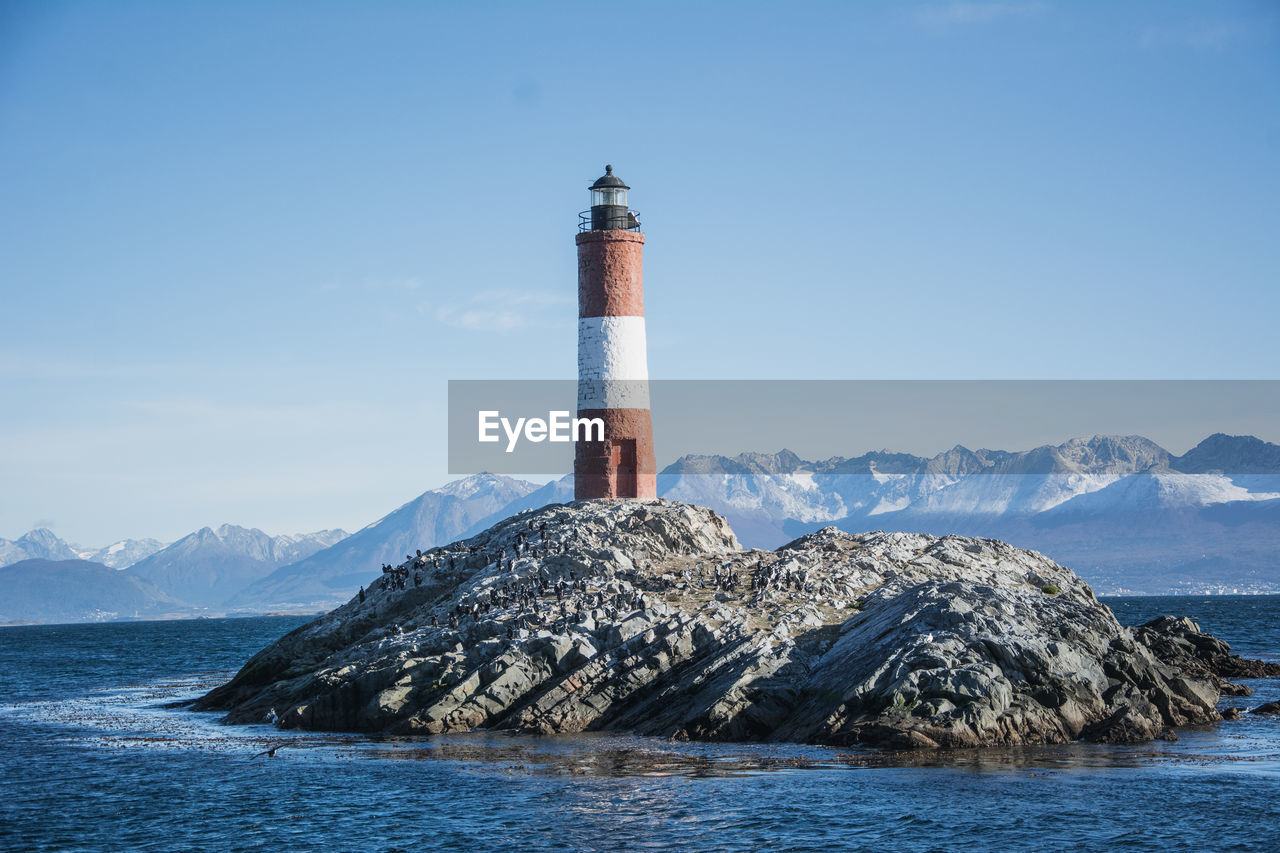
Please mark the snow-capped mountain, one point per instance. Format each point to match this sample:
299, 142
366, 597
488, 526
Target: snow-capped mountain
1122, 511
122, 554
783, 493
555, 492
39, 544
333, 574
207, 567
44, 544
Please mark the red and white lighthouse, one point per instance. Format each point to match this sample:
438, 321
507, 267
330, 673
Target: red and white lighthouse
613, 371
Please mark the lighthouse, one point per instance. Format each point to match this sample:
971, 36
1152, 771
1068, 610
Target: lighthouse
613, 372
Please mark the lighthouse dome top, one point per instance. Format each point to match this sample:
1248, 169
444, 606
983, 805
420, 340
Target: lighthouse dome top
609, 181
609, 209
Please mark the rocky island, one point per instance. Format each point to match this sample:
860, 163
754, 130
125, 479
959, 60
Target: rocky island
649, 617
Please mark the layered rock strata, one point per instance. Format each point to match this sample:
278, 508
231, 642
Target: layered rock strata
648, 617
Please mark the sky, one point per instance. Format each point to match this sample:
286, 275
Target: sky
245, 246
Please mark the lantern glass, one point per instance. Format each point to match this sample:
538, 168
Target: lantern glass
609, 196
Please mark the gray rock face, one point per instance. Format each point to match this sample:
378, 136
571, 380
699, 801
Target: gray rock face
649, 617
1181, 643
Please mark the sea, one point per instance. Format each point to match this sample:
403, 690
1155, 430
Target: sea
92, 759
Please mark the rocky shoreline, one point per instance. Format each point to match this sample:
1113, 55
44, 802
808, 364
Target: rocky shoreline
649, 617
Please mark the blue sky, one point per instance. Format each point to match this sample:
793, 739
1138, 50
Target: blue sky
243, 246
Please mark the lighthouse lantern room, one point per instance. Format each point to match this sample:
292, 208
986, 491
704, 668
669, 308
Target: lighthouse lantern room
608, 206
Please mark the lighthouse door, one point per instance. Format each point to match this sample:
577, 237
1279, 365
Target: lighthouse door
624, 464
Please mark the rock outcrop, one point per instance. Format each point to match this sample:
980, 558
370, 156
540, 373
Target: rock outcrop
649, 617
1179, 642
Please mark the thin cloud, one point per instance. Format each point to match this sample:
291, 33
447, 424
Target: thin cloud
481, 320
520, 297
945, 16
504, 311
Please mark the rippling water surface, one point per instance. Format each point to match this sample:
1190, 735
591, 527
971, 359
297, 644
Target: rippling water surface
90, 760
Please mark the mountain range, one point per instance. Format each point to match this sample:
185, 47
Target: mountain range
1120, 510
434, 517
786, 492
1123, 512
209, 566
43, 544
51, 580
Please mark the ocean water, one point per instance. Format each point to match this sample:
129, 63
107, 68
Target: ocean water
90, 760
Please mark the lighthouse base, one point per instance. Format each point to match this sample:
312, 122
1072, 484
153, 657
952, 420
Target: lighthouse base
620, 466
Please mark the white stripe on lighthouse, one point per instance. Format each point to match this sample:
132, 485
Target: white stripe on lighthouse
611, 348
613, 369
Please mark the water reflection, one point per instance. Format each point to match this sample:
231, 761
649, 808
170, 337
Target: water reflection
137, 717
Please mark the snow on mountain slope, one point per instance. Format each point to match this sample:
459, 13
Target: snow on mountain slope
791, 495
39, 544
555, 492
122, 554
957, 481
1156, 490
11, 553
776, 485
1005, 494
